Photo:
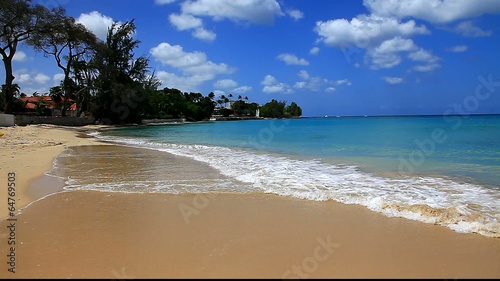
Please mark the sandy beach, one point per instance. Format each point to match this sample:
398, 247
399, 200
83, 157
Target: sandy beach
91, 234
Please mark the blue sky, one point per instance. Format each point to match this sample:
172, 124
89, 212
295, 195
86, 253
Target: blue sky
372, 57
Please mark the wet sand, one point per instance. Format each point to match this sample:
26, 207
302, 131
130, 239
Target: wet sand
91, 234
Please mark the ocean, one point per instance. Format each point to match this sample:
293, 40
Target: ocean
443, 170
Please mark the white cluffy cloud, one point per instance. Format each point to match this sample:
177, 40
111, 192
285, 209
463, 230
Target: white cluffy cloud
291, 59
230, 86
314, 51
365, 31
433, 11
316, 83
386, 32
383, 38
194, 66
273, 86
295, 14
96, 22
20, 56
248, 11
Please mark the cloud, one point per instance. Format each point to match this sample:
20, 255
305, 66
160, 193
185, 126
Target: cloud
280, 88
314, 51
242, 90
269, 80
300, 85
41, 78
185, 21
23, 77
343, 81
303, 74
203, 34
423, 56
248, 11
295, 14
393, 80
467, 29
20, 56
57, 78
330, 90
183, 83
365, 31
433, 11
225, 84
163, 2
194, 63
386, 55
458, 49
425, 68
96, 22
291, 59
273, 86
426, 57
316, 83
253, 11
195, 67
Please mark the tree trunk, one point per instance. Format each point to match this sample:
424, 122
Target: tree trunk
9, 78
66, 92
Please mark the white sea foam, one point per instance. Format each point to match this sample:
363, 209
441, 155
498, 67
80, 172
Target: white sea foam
461, 206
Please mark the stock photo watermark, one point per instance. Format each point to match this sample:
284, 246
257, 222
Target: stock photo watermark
310, 264
454, 115
11, 221
121, 275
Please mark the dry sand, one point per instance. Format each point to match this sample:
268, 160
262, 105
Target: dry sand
89, 234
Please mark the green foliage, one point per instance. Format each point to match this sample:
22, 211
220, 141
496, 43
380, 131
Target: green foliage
241, 108
279, 109
120, 90
273, 109
293, 110
172, 103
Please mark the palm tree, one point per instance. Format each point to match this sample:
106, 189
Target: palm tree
223, 98
15, 89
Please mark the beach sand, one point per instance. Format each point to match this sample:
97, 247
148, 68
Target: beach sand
91, 234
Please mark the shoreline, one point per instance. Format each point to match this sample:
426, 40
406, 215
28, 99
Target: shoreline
92, 234
29, 152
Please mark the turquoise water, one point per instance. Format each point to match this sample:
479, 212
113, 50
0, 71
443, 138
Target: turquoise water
437, 169
454, 146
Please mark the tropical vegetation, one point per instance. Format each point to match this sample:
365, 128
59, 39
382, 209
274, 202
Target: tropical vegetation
105, 78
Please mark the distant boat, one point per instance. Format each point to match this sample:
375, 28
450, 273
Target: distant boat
326, 116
